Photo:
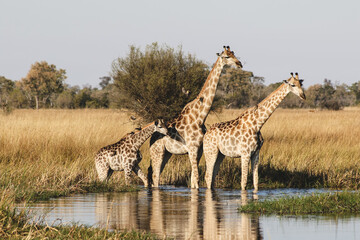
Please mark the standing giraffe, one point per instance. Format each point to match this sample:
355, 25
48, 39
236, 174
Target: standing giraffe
186, 132
124, 155
241, 137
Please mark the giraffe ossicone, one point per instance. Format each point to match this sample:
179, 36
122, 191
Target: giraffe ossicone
241, 137
186, 132
124, 155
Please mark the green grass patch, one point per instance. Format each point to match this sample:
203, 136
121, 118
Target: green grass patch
324, 203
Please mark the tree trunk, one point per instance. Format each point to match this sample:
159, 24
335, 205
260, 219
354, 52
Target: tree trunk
37, 102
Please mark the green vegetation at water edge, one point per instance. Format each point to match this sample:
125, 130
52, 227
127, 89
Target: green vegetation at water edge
324, 203
15, 225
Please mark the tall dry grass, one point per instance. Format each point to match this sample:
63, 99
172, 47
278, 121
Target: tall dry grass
305, 148
51, 152
318, 143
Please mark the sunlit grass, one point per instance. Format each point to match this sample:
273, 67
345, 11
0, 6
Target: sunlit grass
49, 153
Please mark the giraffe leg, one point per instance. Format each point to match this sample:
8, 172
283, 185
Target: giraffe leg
210, 160
245, 158
127, 172
159, 157
220, 158
137, 169
255, 169
213, 161
141, 175
255, 162
157, 151
103, 169
109, 173
210, 154
193, 156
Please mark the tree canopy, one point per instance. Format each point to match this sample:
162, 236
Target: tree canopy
42, 81
159, 81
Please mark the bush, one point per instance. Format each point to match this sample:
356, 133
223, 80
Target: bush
155, 82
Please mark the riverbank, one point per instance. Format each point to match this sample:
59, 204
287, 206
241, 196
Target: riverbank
319, 203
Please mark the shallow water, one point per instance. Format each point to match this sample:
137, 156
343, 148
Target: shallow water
185, 213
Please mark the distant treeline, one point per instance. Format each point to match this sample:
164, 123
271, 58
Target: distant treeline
158, 82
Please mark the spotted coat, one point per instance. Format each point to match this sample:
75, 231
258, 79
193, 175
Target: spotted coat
124, 155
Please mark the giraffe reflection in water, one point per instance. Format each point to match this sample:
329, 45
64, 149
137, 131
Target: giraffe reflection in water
188, 214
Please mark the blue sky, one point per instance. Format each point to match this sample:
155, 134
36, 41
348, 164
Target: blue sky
319, 39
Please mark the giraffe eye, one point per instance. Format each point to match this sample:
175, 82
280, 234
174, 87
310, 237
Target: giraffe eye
227, 57
293, 85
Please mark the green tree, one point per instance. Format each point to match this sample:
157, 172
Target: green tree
355, 89
239, 88
18, 98
83, 98
42, 81
66, 99
6, 87
343, 95
327, 99
105, 81
155, 83
312, 94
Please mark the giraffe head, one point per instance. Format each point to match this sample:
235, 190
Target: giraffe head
295, 85
160, 127
228, 58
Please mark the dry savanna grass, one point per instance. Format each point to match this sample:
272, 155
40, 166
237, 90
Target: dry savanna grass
51, 152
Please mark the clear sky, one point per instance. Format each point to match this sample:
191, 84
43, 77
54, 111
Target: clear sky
317, 38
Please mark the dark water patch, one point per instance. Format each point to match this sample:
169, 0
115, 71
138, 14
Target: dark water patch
185, 213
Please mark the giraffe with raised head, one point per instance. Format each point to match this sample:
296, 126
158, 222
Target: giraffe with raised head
186, 132
241, 137
124, 155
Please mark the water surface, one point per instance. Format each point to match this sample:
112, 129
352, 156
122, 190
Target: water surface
185, 213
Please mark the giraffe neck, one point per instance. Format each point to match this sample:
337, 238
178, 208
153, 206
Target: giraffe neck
207, 93
142, 135
267, 106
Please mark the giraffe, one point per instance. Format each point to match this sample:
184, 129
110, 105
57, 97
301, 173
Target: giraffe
124, 155
241, 137
187, 130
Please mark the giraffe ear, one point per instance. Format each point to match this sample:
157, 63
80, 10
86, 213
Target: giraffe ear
301, 81
286, 81
218, 54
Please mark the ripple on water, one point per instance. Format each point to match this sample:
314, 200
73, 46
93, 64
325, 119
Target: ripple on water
197, 214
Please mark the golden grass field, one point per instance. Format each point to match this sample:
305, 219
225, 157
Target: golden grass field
52, 151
